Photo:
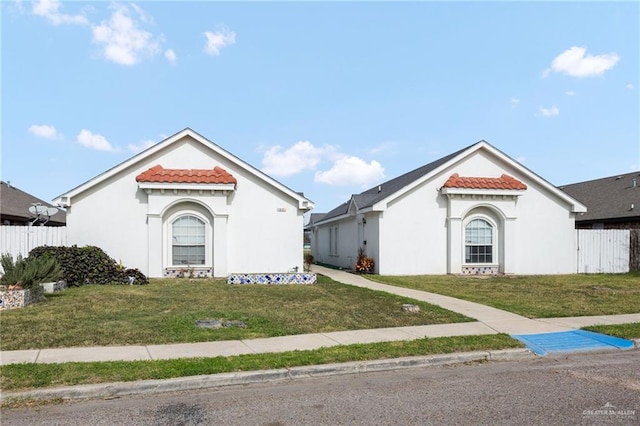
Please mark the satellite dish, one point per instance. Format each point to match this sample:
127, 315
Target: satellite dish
42, 213
38, 209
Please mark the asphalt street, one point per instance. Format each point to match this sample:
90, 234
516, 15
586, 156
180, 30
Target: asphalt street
587, 388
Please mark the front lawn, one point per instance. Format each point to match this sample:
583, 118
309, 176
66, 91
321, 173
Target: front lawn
165, 311
543, 296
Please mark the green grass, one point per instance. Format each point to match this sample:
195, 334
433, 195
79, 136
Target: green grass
626, 331
542, 296
165, 311
28, 376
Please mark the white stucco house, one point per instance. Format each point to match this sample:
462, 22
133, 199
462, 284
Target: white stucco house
475, 211
186, 203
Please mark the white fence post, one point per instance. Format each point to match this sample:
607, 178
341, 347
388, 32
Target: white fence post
603, 251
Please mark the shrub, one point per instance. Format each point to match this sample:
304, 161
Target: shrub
364, 263
308, 261
29, 272
88, 265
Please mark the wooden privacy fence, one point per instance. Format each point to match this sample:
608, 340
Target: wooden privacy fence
607, 250
634, 250
17, 240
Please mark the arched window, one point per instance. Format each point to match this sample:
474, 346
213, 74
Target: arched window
478, 242
188, 241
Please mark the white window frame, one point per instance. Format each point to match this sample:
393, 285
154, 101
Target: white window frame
208, 239
333, 241
494, 241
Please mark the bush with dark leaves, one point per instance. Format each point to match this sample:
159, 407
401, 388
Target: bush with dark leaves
88, 265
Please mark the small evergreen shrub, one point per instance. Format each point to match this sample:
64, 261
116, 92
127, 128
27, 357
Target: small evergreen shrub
88, 265
29, 272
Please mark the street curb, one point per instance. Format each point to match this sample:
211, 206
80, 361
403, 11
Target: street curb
120, 389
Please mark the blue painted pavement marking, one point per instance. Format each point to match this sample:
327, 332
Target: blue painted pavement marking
571, 341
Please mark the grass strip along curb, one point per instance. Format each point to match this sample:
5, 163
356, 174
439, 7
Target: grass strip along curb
114, 390
29, 375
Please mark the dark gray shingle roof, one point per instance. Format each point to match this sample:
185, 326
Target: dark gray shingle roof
607, 198
379, 192
313, 218
15, 203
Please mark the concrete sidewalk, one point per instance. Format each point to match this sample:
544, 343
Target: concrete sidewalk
490, 321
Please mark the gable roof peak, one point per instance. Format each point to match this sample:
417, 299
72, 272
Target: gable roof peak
303, 202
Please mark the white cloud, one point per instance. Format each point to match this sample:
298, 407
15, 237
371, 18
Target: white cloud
141, 146
345, 171
122, 39
351, 171
301, 156
514, 102
170, 55
521, 159
549, 112
575, 63
218, 39
630, 86
45, 131
95, 141
570, 93
49, 9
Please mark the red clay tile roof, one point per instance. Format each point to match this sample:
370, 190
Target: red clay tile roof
162, 175
503, 182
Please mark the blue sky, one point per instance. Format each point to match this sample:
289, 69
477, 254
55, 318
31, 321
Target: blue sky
329, 98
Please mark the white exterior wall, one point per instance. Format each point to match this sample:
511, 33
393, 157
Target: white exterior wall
256, 228
348, 244
538, 228
105, 217
545, 235
413, 234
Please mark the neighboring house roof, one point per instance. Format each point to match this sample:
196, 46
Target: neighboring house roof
613, 197
15, 203
379, 196
162, 175
313, 218
66, 198
502, 182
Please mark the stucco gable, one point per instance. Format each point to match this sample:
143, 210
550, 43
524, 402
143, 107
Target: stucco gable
380, 196
497, 156
67, 198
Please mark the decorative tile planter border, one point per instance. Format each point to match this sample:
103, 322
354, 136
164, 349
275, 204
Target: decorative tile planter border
271, 279
191, 272
12, 299
479, 270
